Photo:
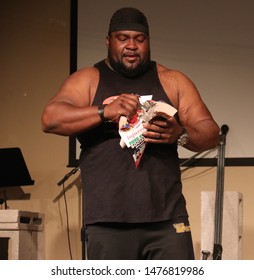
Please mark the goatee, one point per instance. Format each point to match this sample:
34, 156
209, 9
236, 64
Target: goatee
126, 71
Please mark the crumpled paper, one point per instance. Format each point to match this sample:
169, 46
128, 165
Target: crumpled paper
131, 131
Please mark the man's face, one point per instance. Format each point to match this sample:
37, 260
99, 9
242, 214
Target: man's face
128, 52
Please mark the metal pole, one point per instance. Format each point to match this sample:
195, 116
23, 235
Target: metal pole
218, 217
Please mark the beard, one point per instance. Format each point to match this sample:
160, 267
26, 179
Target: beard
127, 71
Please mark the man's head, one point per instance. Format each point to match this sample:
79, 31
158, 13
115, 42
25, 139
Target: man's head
128, 42
129, 19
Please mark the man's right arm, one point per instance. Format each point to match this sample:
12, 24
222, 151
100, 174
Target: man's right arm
69, 111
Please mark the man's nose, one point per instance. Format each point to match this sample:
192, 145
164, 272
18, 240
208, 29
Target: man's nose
131, 44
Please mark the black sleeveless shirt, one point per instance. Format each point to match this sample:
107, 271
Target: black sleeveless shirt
114, 189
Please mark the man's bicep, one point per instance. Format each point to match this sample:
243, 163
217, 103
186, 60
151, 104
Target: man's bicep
193, 110
74, 91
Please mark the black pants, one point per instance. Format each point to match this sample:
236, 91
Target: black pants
168, 240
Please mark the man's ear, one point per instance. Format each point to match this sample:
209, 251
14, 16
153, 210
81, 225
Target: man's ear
107, 41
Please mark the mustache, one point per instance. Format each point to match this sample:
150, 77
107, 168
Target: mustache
131, 54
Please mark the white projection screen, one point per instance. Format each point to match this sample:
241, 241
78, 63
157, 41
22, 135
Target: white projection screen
212, 42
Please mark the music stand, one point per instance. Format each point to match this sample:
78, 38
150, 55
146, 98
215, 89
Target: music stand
13, 175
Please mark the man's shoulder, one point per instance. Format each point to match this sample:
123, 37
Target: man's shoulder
166, 74
163, 70
86, 72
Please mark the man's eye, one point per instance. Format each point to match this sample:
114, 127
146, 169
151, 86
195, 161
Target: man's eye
122, 38
141, 39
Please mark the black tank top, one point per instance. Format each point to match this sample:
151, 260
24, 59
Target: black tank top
114, 189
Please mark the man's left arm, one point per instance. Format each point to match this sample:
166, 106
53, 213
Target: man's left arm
196, 118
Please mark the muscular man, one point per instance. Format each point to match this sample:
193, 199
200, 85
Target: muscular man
132, 213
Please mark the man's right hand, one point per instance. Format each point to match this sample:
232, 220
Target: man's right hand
123, 105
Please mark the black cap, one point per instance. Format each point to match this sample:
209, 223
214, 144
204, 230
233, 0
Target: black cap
129, 19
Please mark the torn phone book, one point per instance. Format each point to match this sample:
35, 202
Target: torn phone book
131, 132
